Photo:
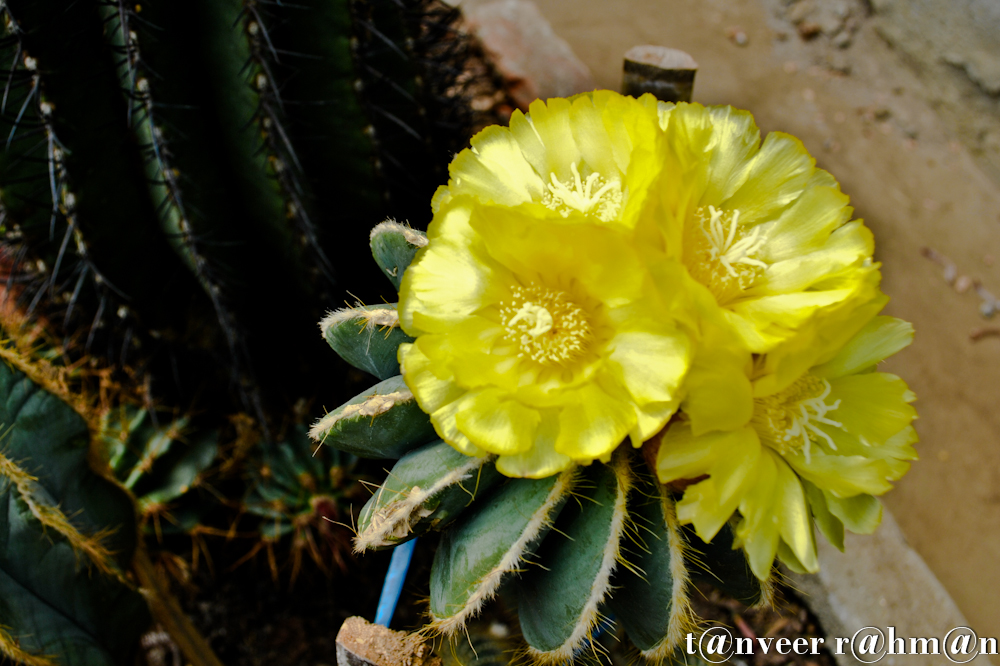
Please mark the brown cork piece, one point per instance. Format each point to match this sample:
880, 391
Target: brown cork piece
667, 73
361, 643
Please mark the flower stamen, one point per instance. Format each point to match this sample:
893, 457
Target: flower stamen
721, 245
722, 255
547, 327
789, 420
580, 195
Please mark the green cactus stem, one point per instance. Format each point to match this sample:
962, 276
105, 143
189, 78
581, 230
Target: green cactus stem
427, 489
367, 337
485, 547
560, 601
383, 422
393, 246
652, 596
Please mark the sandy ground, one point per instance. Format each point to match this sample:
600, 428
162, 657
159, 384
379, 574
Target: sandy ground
866, 116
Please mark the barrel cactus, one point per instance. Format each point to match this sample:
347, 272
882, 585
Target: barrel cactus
637, 349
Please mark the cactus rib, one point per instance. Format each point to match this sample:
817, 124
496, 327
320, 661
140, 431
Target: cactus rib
393, 246
383, 422
534, 528
549, 641
91, 547
285, 163
49, 166
391, 519
162, 178
10, 648
682, 617
367, 337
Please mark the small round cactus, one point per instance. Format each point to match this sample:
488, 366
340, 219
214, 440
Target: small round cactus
578, 546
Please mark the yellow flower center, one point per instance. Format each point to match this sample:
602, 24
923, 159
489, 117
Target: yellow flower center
787, 421
593, 196
722, 256
545, 324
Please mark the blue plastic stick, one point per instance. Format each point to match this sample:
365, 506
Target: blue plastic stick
393, 585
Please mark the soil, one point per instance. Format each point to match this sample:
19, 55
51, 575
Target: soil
868, 113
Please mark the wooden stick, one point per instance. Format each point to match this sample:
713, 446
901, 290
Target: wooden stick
667, 73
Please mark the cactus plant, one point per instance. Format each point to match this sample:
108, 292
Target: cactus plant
577, 526
168, 168
177, 184
68, 533
516, 308
303, 496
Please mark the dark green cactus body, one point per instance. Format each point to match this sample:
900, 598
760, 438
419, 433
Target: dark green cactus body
66, 535
253, 139
427, 489
71, 182
383, 422
367, 337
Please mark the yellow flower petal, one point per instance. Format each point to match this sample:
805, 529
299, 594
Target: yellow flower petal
759, 529
861, 514
445, 424
719, 395
450, 278
779, 173
878, 340
794, 518
806, 225
542, 459
592, 423
430, 391
831, 526
846, 248
873, 406
496, 423
650, 364
495, 170
735, 139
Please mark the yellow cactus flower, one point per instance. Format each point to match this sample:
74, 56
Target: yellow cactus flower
593, 155
540, 334
820, 445
758, 225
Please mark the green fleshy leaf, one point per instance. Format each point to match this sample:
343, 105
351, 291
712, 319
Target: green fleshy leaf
367, 337
559, 600
393, 246
383, 422
426, 490
488, 543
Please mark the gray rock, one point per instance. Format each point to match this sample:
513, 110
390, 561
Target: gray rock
535, 62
